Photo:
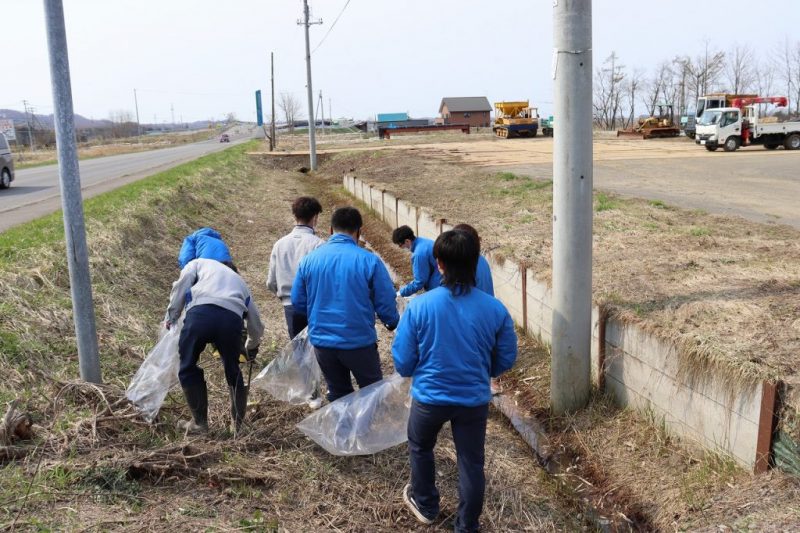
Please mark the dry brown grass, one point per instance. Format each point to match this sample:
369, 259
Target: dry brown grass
95, 464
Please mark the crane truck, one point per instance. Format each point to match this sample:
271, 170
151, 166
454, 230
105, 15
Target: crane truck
710, 101
742, 125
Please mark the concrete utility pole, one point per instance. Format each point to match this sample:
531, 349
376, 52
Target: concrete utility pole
322, 112
274, 143
572, 206
138, 124
312, 139
71, 202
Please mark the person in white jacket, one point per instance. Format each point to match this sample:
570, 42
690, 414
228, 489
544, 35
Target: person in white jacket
217, 302
286, 255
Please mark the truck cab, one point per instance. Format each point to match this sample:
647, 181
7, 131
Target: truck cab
720, 126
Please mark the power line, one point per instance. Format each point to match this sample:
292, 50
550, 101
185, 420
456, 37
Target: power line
332, 26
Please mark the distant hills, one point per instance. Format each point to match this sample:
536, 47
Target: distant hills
81, 122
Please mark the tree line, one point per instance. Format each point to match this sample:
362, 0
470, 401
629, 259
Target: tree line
621, 93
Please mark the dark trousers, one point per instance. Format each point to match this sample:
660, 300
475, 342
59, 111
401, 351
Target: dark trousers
336, 366
205, 324
295, 322
469, 434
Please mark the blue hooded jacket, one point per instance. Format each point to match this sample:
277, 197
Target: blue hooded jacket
204, 243
341, 287
451, 345
423, 265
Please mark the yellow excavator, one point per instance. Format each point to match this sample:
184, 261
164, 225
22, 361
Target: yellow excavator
515, 119
660, 124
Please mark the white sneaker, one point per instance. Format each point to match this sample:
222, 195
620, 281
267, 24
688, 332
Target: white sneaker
412, 505
316, 403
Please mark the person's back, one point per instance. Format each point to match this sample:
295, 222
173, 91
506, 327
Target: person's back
205, 243
345, 286
455, 346
423, 265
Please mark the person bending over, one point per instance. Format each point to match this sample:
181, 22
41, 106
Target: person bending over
423, 265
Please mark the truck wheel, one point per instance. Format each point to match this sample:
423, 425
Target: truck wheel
533, 133
5, 179
771, 146
690, 135
792, 142
711, 147
731, 144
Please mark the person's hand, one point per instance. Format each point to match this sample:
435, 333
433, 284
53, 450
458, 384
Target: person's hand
252, 353
167, 324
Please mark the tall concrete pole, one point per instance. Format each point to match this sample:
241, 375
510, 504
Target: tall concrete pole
572, 206
274, 143
138, 124
312, 139
71, 202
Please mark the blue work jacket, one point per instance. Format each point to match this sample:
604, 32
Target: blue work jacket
423, 266
204, 243
341, 287
451, 344
483, 276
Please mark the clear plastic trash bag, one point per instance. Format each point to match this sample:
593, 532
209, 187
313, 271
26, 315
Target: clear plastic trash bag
158, 373
294, 375
364, 422
402, 303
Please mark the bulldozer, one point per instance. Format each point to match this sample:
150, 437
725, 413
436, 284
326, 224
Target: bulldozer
660, 124
515, 119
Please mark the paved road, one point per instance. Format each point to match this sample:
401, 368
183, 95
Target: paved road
751, 183
35, 191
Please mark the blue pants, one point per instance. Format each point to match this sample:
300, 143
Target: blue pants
336, 366
295, 322
469, 433
206, 324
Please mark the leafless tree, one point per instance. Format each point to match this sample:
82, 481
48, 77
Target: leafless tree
783, 64
608, 92
739, 70
659, 88
635, 83
764, 83
290, 108
122, 124
704, 71
230, 118
679, 89
796, 76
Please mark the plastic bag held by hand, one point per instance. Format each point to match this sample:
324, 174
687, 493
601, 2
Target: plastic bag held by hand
402, 303
158, 373
294, 375
364, 422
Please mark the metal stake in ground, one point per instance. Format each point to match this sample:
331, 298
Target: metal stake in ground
572, 206
312, 140
71, 202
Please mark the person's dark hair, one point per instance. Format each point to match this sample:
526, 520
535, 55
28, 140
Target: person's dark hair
230, 265
458, 252
304, 208
472, 231
346, 219
402, 233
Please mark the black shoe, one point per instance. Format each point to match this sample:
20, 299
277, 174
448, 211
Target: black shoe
408, 498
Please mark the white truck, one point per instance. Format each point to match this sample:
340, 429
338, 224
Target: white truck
732, 127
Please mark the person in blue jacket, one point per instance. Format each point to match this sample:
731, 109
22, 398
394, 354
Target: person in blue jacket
341, 287
483, 274
423, 265
450, 341
205, 243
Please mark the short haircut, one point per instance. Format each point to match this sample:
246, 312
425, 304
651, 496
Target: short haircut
472, 231
304, 208
401, 234
346, 219
458, 252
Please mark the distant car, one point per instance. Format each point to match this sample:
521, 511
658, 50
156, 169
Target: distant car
224, 138
6, 164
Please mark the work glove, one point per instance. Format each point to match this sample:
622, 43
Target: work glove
251, 354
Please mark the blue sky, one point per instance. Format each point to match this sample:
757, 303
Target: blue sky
206, 58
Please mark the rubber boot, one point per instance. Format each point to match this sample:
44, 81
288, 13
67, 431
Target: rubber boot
197, 399
238, 407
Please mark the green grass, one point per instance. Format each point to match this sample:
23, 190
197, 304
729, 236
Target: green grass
507, 176
699, 231
604, 202
48, 231
658, 203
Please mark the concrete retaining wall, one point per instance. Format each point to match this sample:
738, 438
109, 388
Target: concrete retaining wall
638, 369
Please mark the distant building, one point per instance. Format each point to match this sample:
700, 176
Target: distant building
398, 120
472, 110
